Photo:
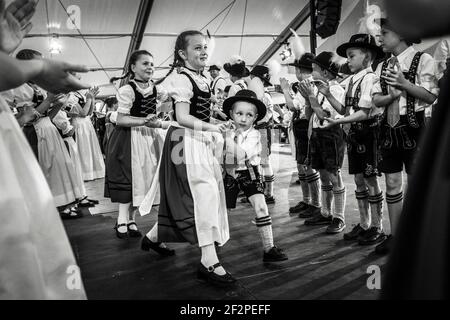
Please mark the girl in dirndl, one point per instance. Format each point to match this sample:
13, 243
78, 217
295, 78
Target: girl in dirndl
134, 148
192, 207
91, 156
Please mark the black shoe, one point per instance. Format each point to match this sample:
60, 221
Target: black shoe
85, 205
133, 233
208, 275
318, 220
355, 233
299, 207
336, 226
147, 244
385, 246
274, 255
120, 235
309, 213
371, 236
269, 200
298, 181
72, 213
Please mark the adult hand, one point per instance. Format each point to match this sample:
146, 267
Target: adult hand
55, 76
15, 23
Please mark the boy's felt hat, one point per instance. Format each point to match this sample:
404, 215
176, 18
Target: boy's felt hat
361, 40
247, 96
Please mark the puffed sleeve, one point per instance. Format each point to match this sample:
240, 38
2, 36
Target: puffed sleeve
365, 102
125, 99
180, 88
61, 121
426, 77
163, 93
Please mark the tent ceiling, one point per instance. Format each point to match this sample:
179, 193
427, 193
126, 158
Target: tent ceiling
107, 26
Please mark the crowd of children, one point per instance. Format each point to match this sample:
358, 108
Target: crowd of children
216, 143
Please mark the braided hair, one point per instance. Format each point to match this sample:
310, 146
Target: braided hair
133, 58
180, 44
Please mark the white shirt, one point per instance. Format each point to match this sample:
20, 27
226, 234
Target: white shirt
338, 93
237, 86
250, 142
441, 54
425, 77
300, 102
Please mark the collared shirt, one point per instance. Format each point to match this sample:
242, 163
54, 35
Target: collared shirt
299, 101
425, 77
237, 86
250, 142
367, 79
338, 93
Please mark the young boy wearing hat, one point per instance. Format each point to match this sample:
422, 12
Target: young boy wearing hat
326, 145
361, 136
244, 146
309, 178
406, 88
238, 71
265, 127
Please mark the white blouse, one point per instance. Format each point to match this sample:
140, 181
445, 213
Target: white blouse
126, 96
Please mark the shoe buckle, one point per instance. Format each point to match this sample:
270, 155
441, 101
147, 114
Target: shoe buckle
211, 269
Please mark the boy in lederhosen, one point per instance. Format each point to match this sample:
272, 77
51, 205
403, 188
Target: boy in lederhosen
361, 125
326, 146
309, 178
407, 86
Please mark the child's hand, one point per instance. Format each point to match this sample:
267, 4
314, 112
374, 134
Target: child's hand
284, 84
306, 89
329, 123
323, 88
395, 78
394, 93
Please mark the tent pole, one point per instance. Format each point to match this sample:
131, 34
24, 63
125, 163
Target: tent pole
313, 35
145, 7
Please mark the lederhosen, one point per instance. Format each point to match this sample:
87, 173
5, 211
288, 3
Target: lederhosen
300, 129
362, 140
28, 129
326, 147
118, 179
399, 145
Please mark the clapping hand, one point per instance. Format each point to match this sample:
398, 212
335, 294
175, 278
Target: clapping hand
93, 92
284, 84
395, 78
15, 23
306, 89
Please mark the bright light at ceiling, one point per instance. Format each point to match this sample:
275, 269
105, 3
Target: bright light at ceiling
55, 45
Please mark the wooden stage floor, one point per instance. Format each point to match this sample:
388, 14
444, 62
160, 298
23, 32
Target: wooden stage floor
320, 266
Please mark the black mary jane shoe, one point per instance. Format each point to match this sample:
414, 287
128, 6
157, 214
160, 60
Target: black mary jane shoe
133, 233
147, 244
208, 275
85, 204
121, 235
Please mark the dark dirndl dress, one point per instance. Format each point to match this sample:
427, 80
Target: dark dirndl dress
119, 179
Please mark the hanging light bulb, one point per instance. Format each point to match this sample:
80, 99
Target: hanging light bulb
55, 45
286, 53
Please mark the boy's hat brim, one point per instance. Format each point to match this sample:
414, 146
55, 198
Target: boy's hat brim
323, 60
356, 41
237, 70
247, 96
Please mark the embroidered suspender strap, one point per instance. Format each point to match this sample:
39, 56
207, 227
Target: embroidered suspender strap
241, 85
357, 96
214, 83
410, 100
384, 86
251, 170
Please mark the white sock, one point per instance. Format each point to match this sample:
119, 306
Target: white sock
314, 189
339, 203
362, 197
327, 200
123, 216
376, 210
305, 188
264, 226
